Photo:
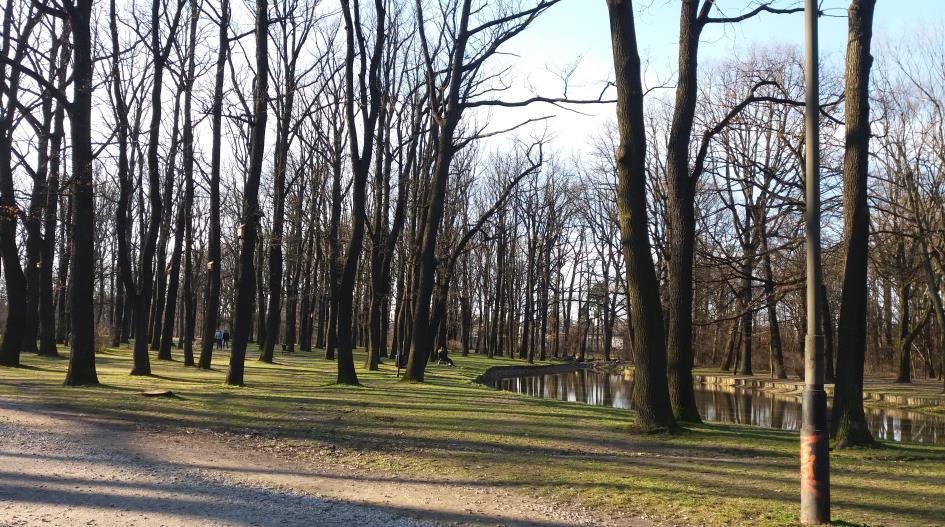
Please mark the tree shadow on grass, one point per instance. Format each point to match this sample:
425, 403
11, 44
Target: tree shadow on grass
22, 366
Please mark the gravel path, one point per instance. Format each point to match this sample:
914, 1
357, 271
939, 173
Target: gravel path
62, 468
49, 478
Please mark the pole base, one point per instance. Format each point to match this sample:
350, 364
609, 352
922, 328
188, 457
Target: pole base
815, 466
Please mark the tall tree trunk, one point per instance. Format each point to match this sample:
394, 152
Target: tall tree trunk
748, 316
165, 304
525, 346
775, 344
161, 267
334, 246
170, 305
650, 389
63, 316
12, 340
465, 321
848, 423
887, 314
360, 155
499, 285
398, 316
681, 219
212, 309
118, 313
190, 312
905, 338
730, 345
545, 291
47, 310
246, 286
260, 303
421, 344
296, 253
82, 346
122, 222
141, 361
382, 263
379, 286
34, 217
274, 310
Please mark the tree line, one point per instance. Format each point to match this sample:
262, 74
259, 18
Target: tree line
313, 175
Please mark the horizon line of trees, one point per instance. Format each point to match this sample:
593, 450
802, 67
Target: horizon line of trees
324, 176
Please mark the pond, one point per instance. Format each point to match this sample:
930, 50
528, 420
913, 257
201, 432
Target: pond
724, 404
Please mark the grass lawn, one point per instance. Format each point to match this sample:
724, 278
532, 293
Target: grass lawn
452, 428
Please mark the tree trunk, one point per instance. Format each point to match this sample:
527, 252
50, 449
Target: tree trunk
730, 345
161, 266
47, 310
775, 344
334, 248
190, 314
848, 423
212, 309
421, 345
246, 285
34, 218
63, 317
274, 310
82, 346
748, 316
905, 336
681, 220
829, 339
13, 332
650, 388
170, 306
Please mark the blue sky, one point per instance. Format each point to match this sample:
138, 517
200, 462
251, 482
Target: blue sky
580, 28
582, 25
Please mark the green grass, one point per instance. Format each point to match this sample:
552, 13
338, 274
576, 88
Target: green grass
452, 428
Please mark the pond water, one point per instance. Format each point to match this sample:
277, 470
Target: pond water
724, 404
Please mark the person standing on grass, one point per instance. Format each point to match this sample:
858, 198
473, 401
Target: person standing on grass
218, 337
226, 339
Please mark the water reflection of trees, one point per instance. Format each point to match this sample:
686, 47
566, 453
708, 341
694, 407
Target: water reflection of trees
725, 404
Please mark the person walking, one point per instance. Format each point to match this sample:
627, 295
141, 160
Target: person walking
218, 337
226, 339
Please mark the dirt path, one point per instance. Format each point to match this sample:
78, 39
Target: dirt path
62, 468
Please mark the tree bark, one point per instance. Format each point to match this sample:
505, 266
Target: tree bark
848, 420
212, 309
34, 217
190, 312
775, 344
82, 232
170, 305
650, 389
246, 285
421, 344
748, 316
47, 309
12, 340
141, 361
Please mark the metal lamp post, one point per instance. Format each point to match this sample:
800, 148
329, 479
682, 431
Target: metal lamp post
815, 467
